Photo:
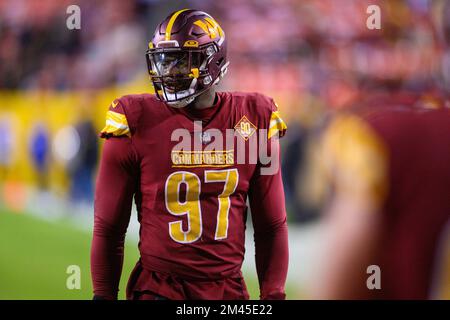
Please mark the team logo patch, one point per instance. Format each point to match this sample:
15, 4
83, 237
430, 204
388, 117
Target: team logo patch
245, 128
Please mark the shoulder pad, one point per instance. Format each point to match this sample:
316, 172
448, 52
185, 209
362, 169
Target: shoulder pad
123, 115
357, 156
276, 123
116, 121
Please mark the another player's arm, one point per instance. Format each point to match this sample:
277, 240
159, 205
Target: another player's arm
267, 204
116, 184
356, 164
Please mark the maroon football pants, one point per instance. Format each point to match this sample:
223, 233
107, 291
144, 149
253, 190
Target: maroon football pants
152, 285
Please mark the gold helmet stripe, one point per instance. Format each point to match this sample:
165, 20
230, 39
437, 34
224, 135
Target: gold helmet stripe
171, 22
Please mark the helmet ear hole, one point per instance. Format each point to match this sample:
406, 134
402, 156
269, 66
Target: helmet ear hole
207, 80
210, 51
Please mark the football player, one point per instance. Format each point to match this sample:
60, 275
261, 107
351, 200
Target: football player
191, 204
388, 216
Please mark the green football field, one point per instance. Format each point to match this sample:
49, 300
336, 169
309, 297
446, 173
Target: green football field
35, 254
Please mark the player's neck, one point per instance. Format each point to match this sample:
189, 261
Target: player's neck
205, 100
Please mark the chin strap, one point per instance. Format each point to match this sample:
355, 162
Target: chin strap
182, 103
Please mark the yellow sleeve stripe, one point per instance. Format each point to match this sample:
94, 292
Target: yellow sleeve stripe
116, 117
116, 124
357, 159
276, 124
115, 132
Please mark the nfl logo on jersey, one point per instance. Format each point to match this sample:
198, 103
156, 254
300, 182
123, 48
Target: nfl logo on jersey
205, 137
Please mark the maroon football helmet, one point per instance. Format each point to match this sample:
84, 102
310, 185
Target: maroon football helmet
187, 55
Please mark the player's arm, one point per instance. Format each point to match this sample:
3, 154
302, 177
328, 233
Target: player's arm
267, 204
116, 183
356, 163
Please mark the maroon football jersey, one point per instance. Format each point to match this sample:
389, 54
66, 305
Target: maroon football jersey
391, 159
417, 208
191, 185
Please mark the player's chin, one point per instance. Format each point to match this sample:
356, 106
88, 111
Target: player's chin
171, 90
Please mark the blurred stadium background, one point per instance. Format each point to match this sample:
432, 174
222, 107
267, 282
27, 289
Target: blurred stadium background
56, 85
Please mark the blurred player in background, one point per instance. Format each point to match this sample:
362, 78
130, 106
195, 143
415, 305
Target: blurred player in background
387, 163
441, 16
192, 213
